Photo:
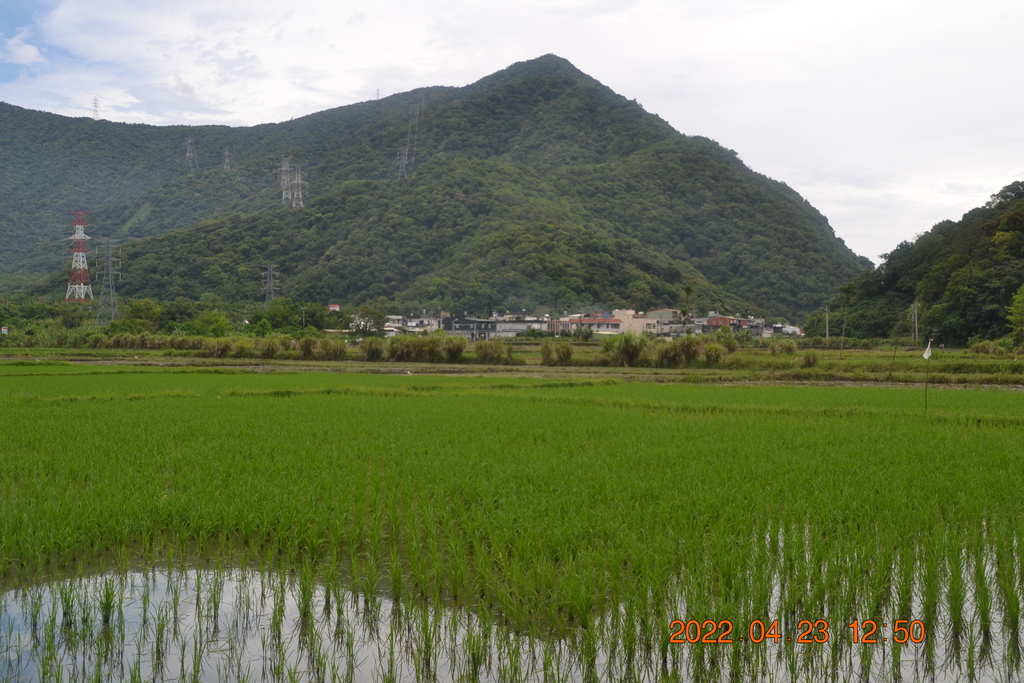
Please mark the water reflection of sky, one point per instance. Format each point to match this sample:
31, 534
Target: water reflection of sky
236, 624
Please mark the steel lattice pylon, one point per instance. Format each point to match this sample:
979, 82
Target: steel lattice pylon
79, 285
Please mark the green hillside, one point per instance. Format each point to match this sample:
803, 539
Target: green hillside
534, 186
962, 274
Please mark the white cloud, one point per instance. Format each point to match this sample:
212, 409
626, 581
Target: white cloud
17, 51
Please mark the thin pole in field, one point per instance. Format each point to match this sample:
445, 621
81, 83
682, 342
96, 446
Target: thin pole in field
895, 347
927, 373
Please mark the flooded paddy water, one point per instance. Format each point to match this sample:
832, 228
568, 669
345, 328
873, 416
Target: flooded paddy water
254, 625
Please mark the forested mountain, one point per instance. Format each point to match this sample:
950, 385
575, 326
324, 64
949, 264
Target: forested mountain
962, 274
534, 186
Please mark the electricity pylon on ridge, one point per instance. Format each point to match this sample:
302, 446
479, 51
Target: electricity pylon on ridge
271, 287
402, 162
79, 285
106, 306
298, 189
190, 157
227, 158
286, 180
293, 186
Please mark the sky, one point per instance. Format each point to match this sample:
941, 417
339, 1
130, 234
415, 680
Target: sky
887, 115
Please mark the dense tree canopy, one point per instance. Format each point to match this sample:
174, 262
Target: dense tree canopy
963, 275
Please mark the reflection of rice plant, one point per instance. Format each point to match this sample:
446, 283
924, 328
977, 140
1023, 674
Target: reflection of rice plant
109, 598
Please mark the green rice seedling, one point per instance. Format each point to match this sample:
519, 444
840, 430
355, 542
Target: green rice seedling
1006, 581
109, 599
306, 589
982, 592
67, 601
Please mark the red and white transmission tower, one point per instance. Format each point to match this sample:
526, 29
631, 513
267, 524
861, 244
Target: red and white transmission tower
79, 286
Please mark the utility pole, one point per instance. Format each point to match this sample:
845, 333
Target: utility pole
914, 309
270, 285
827, 342
79, 285
106, 308
190, 157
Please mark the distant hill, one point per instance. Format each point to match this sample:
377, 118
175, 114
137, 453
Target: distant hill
535, 186
962, 274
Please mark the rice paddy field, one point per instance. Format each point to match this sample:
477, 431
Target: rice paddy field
222, 524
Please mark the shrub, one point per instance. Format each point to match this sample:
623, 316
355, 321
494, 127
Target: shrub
627, 350
330, 349
372, 349
809, 360
563, 353
667, 355
787, 346
725, 337
399, 348
984, 347
714, 353
547, 352
306, 347
493, 352
267, 347
452, 348
690, 348
556, 353
216, 348
243, 348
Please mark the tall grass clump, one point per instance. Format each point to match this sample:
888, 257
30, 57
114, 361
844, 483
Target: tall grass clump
681, 351
268, 347
727, 339
493, 352
628, 350
372, 349
328, 348
713, 353
243, 348
452, 347
555, 353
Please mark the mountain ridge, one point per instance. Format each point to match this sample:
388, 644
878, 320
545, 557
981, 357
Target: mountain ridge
538, 150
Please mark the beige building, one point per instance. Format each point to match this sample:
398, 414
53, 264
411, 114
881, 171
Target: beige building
636, 323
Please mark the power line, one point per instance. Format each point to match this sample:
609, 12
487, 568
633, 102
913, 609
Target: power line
106, 307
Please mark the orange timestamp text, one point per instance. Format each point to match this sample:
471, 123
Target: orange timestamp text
723, 632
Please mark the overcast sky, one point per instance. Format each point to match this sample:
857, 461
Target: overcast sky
887, 115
